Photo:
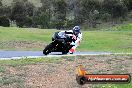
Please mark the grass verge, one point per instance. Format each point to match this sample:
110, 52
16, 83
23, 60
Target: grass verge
27, 61
34, 39
2, 69
20, 68
129, 85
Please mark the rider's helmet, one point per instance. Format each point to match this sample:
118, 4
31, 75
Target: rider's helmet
76, 30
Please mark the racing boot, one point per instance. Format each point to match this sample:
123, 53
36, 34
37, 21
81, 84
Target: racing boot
71, 51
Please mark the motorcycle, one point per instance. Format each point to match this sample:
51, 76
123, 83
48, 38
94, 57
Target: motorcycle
60, 43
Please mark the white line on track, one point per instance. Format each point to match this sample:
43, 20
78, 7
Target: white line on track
51, 56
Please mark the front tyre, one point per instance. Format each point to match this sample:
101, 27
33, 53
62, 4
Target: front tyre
47, 49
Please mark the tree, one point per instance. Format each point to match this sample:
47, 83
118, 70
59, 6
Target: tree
42, 15
0, 2
29, 14
88, 12
18, 13
44, 20
29, 9
22, 12
4, 15
28, 22
60, 13
5, 11
77, 12
128, 3
4, 21
115, 8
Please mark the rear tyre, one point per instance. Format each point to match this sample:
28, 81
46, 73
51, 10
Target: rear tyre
47, 49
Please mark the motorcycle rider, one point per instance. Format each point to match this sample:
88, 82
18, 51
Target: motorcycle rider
76, 37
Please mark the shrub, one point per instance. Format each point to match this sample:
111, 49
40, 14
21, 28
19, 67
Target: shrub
4, 21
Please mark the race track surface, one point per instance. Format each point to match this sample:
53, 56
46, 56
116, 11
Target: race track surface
32, 54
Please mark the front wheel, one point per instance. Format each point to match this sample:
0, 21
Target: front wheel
47, 49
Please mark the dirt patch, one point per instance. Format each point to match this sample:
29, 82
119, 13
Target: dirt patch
22, 45
62, 75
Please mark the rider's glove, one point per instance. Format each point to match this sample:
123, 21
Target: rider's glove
74, 37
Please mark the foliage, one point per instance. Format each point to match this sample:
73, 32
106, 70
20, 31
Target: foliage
116, 40
128, 3
5, 11
88, 6
4, 21
28, 21
0, 2
27, 61
62, 14
115, 8
24, 14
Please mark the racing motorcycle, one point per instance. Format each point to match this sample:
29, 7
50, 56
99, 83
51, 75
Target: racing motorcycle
60, 43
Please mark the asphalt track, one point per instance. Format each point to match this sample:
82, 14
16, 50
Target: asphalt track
35, 54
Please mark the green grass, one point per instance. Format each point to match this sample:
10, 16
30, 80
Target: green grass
24, 34
18, 81
113, 85
2, 69
127, 27
108, 41
11, 79
27, 61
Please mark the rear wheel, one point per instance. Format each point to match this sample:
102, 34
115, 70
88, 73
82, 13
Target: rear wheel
47, 49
